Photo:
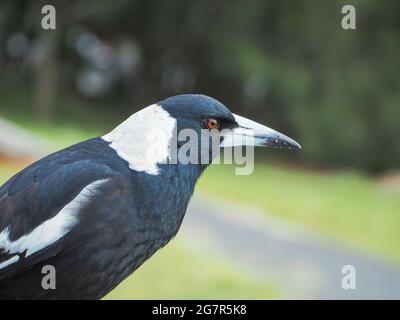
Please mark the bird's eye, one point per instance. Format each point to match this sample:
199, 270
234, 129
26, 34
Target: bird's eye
212, 123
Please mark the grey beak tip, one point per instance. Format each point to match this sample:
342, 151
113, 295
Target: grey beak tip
288, 142
282, 142
295, 145
298, 146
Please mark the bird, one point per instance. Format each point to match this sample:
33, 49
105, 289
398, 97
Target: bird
97, 210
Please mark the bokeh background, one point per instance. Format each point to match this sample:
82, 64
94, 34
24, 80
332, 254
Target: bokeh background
288, 64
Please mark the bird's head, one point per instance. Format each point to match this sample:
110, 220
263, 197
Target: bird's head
189, 128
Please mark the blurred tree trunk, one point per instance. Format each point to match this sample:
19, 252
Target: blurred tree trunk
8, 19
46, 74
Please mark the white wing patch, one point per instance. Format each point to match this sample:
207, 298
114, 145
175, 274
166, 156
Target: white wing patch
143, 140
8, 262
49, 231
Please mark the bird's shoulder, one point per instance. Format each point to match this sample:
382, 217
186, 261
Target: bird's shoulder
39, 192
41, 204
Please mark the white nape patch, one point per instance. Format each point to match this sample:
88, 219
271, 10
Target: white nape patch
51, 230
143, 140
9, 261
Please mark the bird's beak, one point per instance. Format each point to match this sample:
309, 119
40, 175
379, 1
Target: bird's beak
251, 133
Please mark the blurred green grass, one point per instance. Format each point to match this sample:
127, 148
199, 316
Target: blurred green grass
178, 272
72, 121
348, 206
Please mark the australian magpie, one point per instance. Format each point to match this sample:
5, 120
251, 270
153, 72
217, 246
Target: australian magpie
97, 210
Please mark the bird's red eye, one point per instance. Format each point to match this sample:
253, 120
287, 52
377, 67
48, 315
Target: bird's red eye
212, 123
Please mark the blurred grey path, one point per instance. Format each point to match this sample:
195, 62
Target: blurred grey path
17, 143
303, 265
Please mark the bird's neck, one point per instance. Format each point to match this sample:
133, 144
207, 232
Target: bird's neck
168, 195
